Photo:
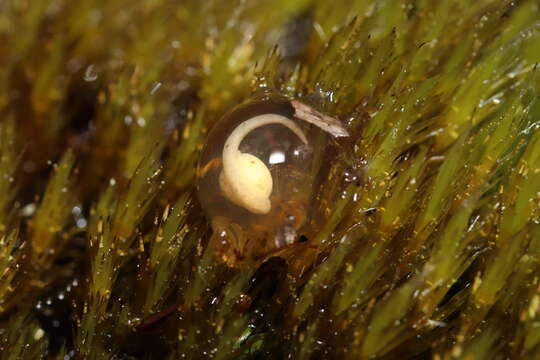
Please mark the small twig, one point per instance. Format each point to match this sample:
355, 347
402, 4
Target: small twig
325, 122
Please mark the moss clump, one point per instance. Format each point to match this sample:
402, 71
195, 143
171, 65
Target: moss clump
431, 250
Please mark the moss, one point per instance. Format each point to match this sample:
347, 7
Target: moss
430, 246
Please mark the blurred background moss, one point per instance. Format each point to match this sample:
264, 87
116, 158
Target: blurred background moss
432, 249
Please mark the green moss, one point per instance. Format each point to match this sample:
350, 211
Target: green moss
430, 246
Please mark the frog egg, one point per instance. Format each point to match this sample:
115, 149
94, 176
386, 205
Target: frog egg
256, 174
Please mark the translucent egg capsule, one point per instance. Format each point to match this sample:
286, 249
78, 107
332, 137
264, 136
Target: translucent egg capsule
257, 173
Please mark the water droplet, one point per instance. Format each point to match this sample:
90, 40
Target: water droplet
155, 88
28, 210
76, 211
90, 74
135, 321
81, 223
39, 334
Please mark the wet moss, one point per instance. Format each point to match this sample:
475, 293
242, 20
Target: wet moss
431, 240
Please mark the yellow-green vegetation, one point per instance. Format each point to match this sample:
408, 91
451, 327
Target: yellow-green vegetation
431, 246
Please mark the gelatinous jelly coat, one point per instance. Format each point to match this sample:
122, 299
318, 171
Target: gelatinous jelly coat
257, 173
